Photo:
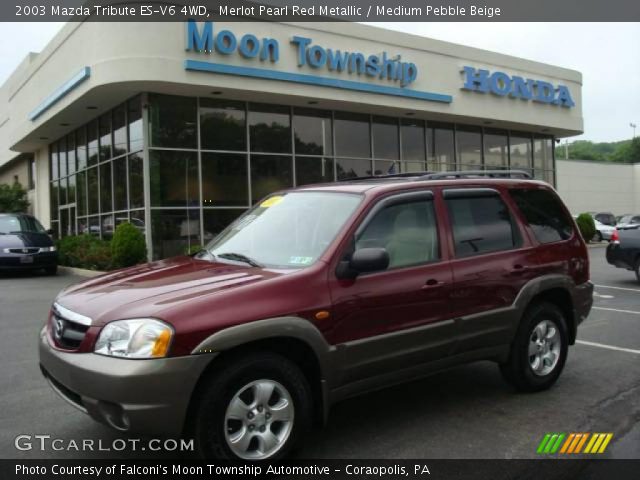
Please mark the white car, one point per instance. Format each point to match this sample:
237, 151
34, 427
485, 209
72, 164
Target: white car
603, 232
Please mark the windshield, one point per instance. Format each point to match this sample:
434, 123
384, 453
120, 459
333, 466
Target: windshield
288, 231
19, 224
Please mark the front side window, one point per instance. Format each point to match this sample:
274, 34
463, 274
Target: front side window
544, 214
481, 223
285, 231
408, 232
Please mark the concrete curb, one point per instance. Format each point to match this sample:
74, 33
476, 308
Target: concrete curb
597, 245
81, 272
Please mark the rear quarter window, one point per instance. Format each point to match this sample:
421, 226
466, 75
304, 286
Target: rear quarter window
544, 213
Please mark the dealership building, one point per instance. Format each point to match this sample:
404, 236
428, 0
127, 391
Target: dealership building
180, 127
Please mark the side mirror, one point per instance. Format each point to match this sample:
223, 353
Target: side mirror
364, 260
50, 231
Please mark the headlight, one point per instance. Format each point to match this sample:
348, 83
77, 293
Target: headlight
138, 338
47, 249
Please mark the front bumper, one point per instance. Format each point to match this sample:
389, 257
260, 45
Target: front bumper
144, 396
14, 261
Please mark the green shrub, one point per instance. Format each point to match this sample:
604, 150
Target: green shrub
84, 251
128, 246
193, 249
13, 198
587, 226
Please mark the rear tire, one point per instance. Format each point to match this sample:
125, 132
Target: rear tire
599, 237
235, 417
539, 350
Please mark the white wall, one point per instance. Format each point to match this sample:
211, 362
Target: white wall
598, 186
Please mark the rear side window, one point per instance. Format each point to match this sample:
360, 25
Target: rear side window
481, 222
544, 213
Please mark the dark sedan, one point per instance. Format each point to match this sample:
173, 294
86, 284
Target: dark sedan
623, 250
25, 244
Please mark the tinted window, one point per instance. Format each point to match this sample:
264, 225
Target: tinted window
386, 143
173, 121
544, 214
352, 135
407, 231
481, 223
312, 132
222, 125
224, 180
413, 140
269, 128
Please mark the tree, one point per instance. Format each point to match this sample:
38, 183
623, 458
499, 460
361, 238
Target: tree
587, 226
13, 198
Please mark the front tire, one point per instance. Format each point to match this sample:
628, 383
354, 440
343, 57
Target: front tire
253, 407
539, 350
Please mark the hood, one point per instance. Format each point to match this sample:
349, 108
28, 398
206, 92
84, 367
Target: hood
146, 290
25, 239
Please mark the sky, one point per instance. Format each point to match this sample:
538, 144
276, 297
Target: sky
607, 54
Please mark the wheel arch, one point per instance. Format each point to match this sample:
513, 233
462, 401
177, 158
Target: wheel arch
293, 338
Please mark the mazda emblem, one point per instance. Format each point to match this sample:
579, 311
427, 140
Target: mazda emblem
25, 250
59, 328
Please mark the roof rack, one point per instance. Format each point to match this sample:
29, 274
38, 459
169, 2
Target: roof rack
409, 175
476, 173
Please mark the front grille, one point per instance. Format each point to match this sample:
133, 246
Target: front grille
24, 250
67, 334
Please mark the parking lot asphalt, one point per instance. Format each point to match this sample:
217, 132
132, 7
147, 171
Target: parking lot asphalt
466, 412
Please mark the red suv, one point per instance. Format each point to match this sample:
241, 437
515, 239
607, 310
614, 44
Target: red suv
319, 293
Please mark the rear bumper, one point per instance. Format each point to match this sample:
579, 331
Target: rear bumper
617, 256
582, 303
13, 261
144, 396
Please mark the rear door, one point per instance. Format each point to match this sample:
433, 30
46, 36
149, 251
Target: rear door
493, 260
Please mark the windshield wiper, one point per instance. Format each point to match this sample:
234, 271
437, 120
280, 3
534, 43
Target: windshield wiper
240, 258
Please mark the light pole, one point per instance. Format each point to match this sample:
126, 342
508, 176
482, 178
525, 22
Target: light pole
633, 125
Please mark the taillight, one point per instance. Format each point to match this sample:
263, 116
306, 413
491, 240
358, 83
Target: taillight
615, 238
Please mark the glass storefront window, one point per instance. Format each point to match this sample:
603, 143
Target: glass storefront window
225, 180
106, 200
107, 226
353, 167
94, 226
413, 139
53, 200
62, 157
386, 140
222, 125
120, 201
441, 147
216, 220
496, 149
352, 135
543, 153
62, 195
469, 148
134, 118
174, 232
71, 153
173, 121
136, 181
81, 194
71, 189
92, 142
54, 171
104, 132
81, 148
269, 128
313, 170
174, 178
312, 131
137, 219
270, 173
386, 167
92, 191
119, 131
520, 151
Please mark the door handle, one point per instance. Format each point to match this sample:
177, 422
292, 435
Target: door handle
432, 283
517, 268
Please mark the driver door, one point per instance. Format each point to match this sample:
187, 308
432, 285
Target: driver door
400, 317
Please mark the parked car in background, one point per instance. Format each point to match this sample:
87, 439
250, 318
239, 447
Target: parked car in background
320, 293
628, 219
606, 218
603, 231
25, 244
623, 250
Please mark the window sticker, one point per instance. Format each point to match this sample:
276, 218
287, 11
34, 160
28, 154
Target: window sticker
271, 201
300, 260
